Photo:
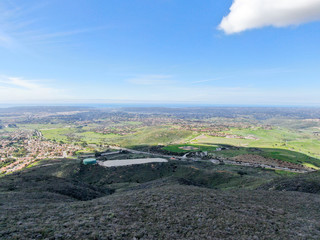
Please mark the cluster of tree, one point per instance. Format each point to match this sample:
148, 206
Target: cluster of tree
20, 152
6, 162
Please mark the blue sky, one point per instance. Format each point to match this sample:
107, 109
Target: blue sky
160, 51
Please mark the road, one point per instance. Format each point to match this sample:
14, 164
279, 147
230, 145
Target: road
214, 161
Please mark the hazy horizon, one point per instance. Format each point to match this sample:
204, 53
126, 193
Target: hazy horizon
148, 105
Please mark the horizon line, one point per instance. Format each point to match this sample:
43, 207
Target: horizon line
143, 104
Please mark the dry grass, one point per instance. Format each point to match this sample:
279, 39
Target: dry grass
168, 212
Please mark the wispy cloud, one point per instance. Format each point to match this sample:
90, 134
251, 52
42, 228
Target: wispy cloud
207, 80
221, 95
250, 14
20, 89
55, 35
13, 22
5, 40
151, 80
19, 27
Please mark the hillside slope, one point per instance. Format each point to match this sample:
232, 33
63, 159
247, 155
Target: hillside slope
168, 212
67, 200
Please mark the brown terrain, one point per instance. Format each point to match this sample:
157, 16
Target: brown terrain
257, 159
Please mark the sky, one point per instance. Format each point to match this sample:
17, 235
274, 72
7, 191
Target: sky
213, 52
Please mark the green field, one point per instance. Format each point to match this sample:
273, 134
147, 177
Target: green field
179, 148
76, 135
94, 138
278, 143
279, 138
284, 144
153, 136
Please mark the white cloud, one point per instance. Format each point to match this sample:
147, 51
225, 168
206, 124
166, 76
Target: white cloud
151, 80
19, 89
250, 14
